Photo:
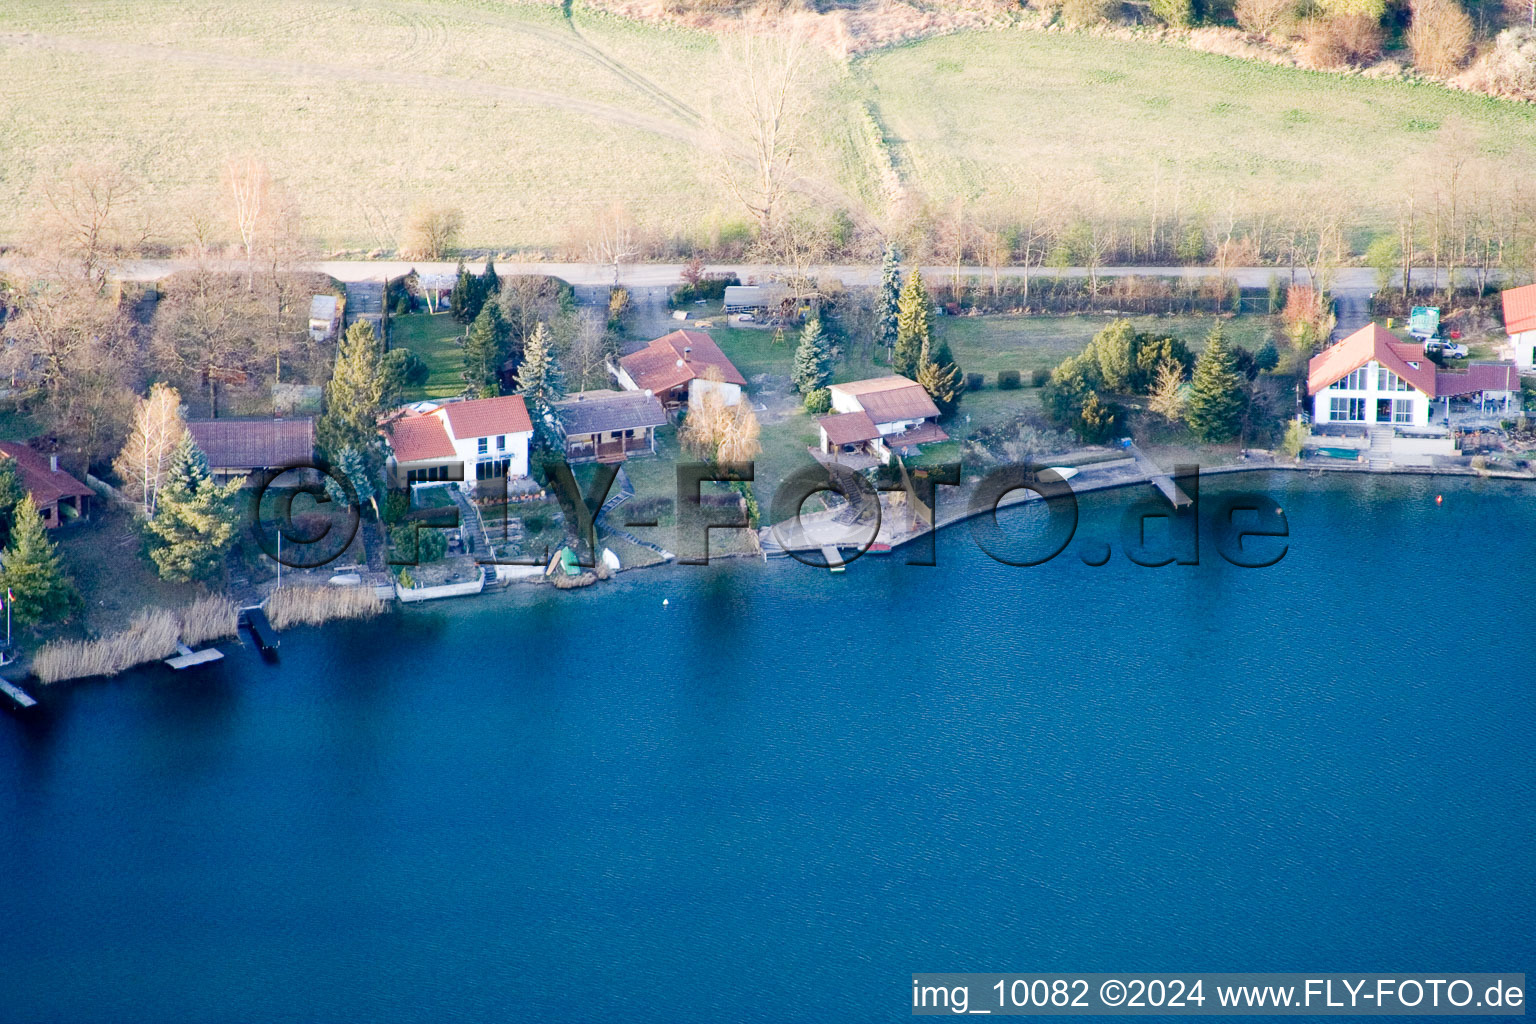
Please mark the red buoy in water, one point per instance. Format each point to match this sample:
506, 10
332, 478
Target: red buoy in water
1439, 499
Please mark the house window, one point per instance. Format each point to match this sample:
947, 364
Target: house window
491, 469
1347, 409
501, 442
1402, 410
1355, 380
1386, 380
483, 445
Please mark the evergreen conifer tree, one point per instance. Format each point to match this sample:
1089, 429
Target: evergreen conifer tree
913, 327
541, 383
1217, 394
813, 359
194, 523
355, 397
31, 571
485, 349
887, 303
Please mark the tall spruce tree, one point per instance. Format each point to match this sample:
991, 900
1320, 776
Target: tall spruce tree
813, 359
941, 378
1218, 392
462, 304
31, 571
541, 382
914, 325
194, 523
355, 397
485, 349
887, 302
11, 495
489, 282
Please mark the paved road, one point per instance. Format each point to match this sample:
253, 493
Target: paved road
1355, 280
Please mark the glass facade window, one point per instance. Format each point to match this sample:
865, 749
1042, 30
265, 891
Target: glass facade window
1355, 380
1347, 409
483, 445
490, 469
1386, 380
1402, 410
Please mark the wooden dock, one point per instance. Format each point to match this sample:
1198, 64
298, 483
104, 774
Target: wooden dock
16, 694
187, 657
1162, 481
833, 556
261, 630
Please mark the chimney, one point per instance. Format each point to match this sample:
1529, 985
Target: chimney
687, 350
53, 463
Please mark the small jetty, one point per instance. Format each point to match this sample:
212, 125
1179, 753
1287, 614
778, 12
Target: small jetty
1162, 481
186, 657
255, 620
16, 693
833, 556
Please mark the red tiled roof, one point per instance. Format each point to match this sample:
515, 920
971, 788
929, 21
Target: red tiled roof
418, 438
1520, 309
1371, 342
1478, 377
45, 485
849, 427
677, 358
485, 416
254, 444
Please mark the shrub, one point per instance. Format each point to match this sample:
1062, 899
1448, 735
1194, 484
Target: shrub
1008, 380
1088, 12
1177, 13
423, 543
1509, 68
1440, 36
974, 382
818, 402
1342, 41
312, 606
1264, 16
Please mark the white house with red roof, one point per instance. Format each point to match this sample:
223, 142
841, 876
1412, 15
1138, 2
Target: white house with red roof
879, 416
1520, 324
1374, 378
474, 441
676, 369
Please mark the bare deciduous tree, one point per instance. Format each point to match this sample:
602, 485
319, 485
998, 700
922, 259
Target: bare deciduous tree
755, 131
93, 218
432, 233
146, 455
611, 238
248, 185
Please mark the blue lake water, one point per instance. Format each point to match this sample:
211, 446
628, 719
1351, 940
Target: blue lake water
779, 795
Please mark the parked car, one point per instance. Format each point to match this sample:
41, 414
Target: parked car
1445, 349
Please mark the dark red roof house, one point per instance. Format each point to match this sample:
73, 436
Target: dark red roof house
59, 497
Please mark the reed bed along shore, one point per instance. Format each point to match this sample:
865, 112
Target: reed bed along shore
313, 606
151, 636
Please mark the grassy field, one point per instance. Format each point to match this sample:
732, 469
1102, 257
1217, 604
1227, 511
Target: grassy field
530, 120
435, 339
1073, 109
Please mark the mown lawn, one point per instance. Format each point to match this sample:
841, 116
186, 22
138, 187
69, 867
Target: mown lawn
435, 338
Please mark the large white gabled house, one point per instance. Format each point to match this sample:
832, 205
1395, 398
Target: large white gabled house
1373, 378
1520, 324
473, 442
